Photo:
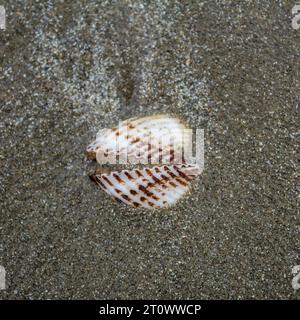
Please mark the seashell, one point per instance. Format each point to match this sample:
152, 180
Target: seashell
156, 172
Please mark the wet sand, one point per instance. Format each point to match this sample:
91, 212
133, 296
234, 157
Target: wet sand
69, 68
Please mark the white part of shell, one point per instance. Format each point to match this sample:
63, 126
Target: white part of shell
153, 139
156, 186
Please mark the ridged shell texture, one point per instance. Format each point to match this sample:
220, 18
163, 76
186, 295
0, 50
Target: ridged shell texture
152, 147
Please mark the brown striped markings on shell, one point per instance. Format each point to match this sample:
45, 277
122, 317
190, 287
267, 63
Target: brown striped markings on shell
150, 148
